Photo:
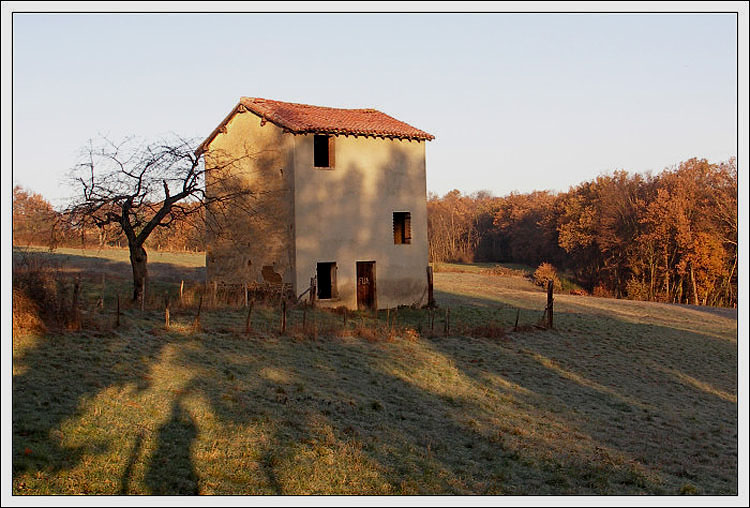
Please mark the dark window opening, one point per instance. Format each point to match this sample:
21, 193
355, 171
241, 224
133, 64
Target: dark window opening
401, 227
327, 281
323, 151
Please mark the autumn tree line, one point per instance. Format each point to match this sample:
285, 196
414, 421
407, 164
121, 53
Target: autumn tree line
670, 237
36, 222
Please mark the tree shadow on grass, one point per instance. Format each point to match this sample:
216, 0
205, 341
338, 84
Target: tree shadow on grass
662, 397
171, 470
57, 373
95, 266
365, 404
390, 430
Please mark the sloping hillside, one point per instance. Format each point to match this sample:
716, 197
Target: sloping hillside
621, 398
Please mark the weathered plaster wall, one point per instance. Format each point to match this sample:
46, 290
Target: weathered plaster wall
255, 231
345, 215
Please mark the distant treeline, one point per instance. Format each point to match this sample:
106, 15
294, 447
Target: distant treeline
670, 237
36, 222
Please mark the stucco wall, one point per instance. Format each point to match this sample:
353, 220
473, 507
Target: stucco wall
345, 215
255, 231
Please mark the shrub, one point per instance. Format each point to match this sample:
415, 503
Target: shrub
35, 297
636, 289
688, 490
602, 292
463, 257
26, 316
544, 273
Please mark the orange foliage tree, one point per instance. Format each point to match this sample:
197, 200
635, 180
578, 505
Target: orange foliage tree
670, 237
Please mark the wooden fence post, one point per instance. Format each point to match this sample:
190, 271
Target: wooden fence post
182, 285
515, 326
430, 294
283, 317
550, 302
166, 311
100, 303
76, 325
117, 321
248, 322
197, 322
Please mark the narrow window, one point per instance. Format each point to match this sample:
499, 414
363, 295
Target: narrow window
401, 227
327, 281
323, 151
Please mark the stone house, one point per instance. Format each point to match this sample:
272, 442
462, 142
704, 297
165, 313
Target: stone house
339, 197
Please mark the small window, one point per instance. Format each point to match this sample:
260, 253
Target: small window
323, 151
401, 227
327, 281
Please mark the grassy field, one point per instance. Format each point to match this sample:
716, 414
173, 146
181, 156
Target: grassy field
621, 397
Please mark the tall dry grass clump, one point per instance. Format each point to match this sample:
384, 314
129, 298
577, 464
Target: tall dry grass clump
36, 301
501, 271
26, 316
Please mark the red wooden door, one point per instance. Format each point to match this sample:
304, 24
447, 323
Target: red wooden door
366, 297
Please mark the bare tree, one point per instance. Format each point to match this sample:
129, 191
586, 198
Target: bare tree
139, 187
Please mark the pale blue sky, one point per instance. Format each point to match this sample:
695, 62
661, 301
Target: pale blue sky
516, 101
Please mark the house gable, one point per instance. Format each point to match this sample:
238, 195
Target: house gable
256, 233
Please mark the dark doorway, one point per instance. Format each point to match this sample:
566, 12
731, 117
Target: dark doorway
326, 281
366, 296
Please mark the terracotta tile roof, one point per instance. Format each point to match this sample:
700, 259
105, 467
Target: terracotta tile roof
303, 118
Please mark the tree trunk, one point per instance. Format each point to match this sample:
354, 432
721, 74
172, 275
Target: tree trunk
695, 288
728, 284
652, 281
138, 259
667, 289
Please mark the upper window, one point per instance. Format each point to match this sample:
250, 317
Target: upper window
401, 227
323, 151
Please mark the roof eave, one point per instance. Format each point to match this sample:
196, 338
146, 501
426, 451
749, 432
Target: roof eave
241, 108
